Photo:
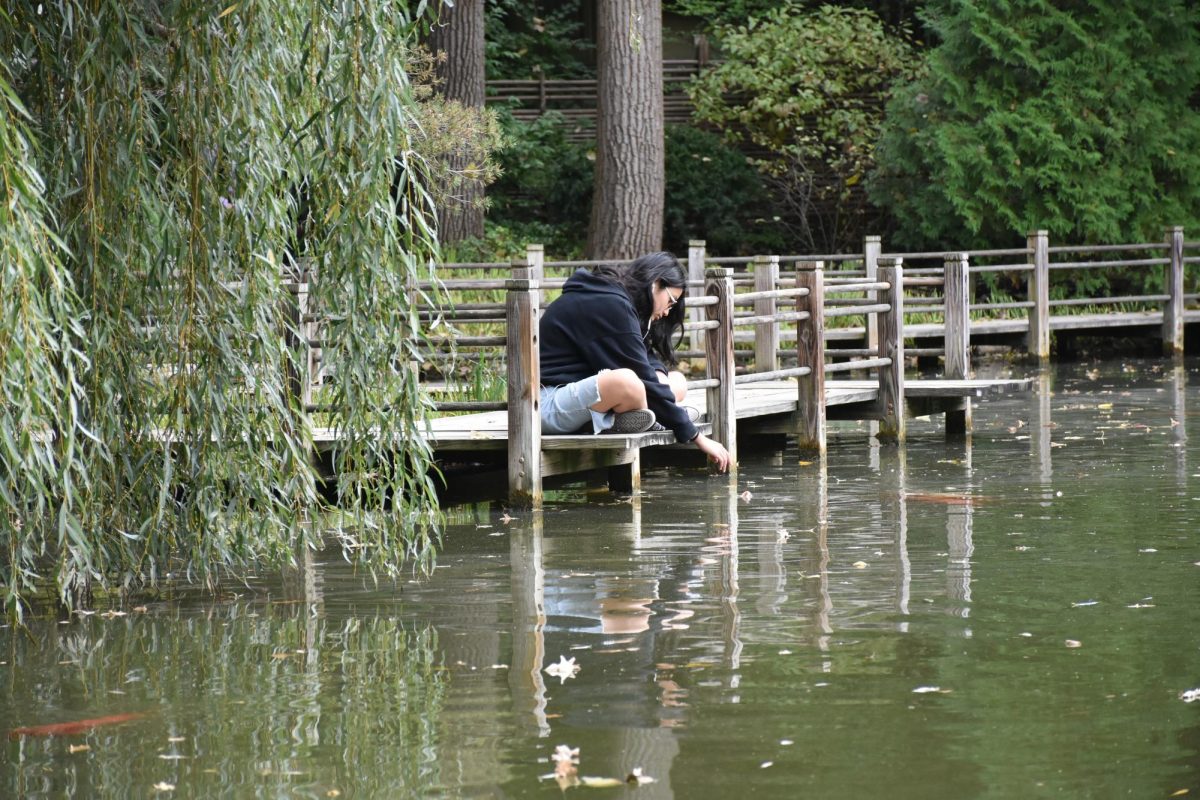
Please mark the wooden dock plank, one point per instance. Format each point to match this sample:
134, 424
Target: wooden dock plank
957, 388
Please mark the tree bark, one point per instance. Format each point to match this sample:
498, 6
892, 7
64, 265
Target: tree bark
627, 204
459, 34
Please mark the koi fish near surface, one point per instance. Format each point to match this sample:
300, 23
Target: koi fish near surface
72, 728
944, 498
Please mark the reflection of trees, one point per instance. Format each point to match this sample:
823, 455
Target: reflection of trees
252, 712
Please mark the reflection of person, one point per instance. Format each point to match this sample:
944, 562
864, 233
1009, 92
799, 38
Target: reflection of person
605, 347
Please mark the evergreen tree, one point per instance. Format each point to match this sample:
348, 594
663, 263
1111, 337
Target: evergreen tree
1072, 117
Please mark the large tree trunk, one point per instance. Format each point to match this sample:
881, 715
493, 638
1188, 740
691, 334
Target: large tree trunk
459, 33
627, 205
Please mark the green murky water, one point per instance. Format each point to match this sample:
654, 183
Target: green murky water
1014, 617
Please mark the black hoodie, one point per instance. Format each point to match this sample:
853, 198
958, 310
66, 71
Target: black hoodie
593, 326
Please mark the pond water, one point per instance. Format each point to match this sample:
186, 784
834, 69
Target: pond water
1013, 616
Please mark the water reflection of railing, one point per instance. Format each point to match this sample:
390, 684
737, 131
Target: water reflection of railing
1041, 437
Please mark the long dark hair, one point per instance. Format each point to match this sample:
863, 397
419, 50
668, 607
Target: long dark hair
638, 279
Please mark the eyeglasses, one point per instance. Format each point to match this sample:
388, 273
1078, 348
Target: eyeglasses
672, 299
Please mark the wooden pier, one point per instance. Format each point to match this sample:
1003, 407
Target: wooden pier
787, 343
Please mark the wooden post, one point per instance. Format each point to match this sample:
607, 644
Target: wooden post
524, 388
626, 478
891, 345
695, 272
766, 334
718, 351
1039, 294
810, 352
957, 296
872, 247
1172, 328
535, 254
298, 377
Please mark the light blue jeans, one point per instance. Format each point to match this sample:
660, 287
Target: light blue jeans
566, 409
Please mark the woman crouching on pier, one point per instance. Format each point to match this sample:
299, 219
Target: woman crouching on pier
605, 347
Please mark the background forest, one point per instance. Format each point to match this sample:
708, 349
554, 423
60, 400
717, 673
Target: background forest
936, 124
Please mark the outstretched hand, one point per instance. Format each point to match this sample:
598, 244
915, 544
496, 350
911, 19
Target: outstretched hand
715, 451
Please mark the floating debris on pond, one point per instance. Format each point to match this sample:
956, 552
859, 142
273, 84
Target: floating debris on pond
565, 668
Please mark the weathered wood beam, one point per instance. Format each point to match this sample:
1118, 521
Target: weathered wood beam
766, 332
1039, 295
719, 363
524, 385
810, 352
1172, 327
891, 346
957, 294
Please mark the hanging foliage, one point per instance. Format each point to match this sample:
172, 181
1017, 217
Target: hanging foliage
168, 169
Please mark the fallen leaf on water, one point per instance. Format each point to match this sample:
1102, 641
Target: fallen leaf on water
79, 748
163, 786
786, 742
1104, 406
930, 690
565, 668
637, 778
765, 764
805, 463
1085, 603
1178, 793
859, 565
1074, 643
333, 793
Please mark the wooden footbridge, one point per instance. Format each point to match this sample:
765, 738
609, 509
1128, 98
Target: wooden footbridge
786, 344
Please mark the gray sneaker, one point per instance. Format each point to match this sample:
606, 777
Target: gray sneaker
632, 421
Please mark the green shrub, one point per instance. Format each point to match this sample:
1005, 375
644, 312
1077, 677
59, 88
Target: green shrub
1033, 116
807, 89
713, 193
546, 181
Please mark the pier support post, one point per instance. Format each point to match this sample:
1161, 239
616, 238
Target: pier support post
766, 334
957, 296
872, 247
1172, 327
524, 385
718, 351
535, 255
1038, 243
298, 377
891, 346
810, 352
695, 277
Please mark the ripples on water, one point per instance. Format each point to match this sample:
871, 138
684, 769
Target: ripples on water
1016, 617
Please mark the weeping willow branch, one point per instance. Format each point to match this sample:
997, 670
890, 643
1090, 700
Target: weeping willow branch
166, 167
